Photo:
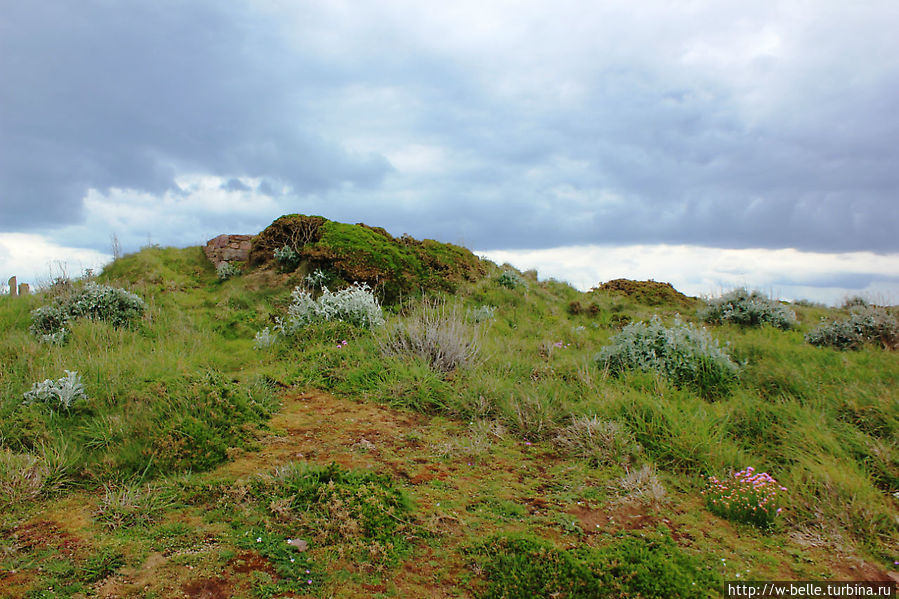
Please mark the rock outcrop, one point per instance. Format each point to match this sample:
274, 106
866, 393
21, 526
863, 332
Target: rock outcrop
228, 248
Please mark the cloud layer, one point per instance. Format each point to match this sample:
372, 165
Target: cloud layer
501, 125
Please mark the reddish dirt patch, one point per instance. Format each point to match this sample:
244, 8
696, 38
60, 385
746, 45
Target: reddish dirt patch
850, 568
45, 534
249, 561
622, 516
209, 588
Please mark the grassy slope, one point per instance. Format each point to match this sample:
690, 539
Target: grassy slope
130, 492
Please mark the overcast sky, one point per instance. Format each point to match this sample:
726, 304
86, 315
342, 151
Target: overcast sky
706, 143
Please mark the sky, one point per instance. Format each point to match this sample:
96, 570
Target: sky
712, 144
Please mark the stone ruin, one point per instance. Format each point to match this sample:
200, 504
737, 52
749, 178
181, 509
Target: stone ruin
21, 289
228, 248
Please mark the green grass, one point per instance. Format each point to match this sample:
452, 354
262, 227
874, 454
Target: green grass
184, 391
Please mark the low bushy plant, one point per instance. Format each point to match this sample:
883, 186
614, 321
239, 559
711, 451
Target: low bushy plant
61, 393
97, 302
750, 497
287, 257
511, 280
435, 333
226, 270
356, 305
683, 353
748, 309
599, 441
868, 324
362, 510
648, 566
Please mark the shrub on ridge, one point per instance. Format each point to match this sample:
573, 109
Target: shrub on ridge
748, 309
866, 325
682, 353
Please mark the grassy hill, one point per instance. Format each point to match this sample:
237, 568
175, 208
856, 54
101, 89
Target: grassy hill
472, 446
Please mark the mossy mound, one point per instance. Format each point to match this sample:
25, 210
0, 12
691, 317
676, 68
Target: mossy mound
394, 267
650, 293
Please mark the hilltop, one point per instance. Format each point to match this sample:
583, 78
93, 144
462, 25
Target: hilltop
242, 431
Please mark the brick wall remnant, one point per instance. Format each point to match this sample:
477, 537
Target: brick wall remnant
228, 248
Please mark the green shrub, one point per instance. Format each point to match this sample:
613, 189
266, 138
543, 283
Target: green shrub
649, 566
682, 353
61, 393
866, 325
226, 270
748, 309
355, 305
511, 280
361, 509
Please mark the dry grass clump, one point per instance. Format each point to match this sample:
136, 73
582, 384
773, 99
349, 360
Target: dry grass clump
22, 477
641, 485
599, 441
437, 333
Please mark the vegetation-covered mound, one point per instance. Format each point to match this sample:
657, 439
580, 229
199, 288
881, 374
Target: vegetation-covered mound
516, 439
394, 267
650, 293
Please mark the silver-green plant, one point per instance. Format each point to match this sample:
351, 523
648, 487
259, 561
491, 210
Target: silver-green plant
355, 305
265, 338
287, 257
683, 353
511, 279
316, 279
868, 324
482, 313
61, 393
96, 302
226, 270
748, 309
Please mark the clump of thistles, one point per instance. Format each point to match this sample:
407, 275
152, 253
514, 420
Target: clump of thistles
751, 497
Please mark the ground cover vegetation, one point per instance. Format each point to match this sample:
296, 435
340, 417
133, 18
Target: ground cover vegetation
307, 431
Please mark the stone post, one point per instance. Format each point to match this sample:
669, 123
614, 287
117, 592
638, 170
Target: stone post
24, 289
12, 286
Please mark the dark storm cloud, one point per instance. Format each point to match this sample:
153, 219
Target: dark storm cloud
128, 95
504, 126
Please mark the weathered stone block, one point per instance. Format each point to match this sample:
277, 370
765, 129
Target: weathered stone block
12, 286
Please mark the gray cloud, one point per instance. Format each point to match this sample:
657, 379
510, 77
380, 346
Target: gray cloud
539, 127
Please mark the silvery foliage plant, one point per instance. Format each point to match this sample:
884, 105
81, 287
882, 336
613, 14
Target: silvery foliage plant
682, 353
356, 305
316, 279
61, 393
748, 308
226, 270
265, 338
